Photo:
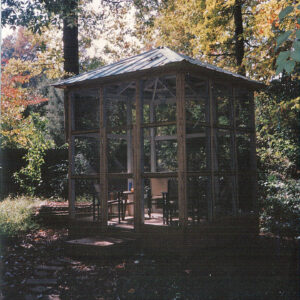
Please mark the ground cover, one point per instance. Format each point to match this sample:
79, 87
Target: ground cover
37, 267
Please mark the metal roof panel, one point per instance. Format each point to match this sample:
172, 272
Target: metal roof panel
151, 59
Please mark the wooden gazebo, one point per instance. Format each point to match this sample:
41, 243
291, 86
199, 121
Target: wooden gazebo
162, 142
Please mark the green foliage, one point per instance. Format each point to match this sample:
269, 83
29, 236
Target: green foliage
29, 177
277, 149
280, 210
57, 185
276, 120
285, 12
288, 62
283, 37
17, 215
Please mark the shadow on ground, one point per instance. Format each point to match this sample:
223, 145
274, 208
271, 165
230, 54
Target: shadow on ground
36, 267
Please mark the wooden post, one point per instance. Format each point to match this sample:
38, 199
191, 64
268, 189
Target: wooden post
253, 158
152, 131
66, 114
181, 151
71, 184
138, 164
152, 140
129, 137
103, 162
234, 153
212, 114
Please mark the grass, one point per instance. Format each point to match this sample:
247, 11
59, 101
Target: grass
17, 215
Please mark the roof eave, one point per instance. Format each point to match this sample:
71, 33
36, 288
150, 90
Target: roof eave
183, 65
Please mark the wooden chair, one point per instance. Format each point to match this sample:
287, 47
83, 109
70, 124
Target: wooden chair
171, 202
117, 198
157, 187
163, 192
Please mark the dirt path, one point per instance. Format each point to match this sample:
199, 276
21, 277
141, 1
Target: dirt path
36, 268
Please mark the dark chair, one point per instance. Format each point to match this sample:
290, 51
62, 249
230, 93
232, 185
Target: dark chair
164, 192
171, 202
158, 186
116, 198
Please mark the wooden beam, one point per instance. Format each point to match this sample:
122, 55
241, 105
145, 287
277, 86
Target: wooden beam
234, 154
66, 114
85, 132
152, 131
181, 152
212, 118
71, 183
120, 175
129, 140
103, 162
163, 138
253, 166
129, 136
138, 157
85, 176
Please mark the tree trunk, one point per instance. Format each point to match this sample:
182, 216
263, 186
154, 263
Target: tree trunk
238, 36
70, 39
71, 50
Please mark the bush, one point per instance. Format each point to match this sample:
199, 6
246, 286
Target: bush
280, 209
17, 215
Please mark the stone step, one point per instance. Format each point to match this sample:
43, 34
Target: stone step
101, 246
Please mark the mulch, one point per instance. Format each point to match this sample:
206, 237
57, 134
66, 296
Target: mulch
35, 266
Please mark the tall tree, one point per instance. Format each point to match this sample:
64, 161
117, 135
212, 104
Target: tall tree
70, 36
236, 34
37, 14
211, 30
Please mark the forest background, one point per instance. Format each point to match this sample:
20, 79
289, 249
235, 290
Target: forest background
51, 40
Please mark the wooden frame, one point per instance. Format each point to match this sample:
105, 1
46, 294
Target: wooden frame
134, 138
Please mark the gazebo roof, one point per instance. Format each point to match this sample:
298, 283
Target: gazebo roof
153, 59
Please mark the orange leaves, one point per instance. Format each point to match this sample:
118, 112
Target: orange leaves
16, 95
15, 91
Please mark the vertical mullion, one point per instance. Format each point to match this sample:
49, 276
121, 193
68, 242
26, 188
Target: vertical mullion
129, 134
152, 138
138, 186
212, 114
234, 154
71, 185
253, 157
103, 162
181, 144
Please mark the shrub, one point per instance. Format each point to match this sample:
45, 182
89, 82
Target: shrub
17, 215
280, 208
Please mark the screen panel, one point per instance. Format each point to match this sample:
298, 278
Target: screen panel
86, 110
